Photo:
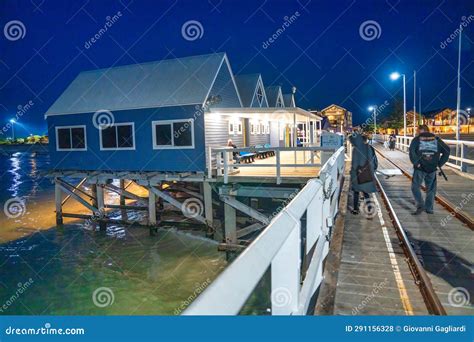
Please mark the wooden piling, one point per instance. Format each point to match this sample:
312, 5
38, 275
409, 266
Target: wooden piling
100, 206
151, 207
58, 202
208, 210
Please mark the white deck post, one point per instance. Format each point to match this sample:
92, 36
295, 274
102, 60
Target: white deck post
285, 273
226, 167
209, 161
278, 168
58, 202
295, 135
463, 166
151, 207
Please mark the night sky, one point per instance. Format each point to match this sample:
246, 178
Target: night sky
322, 51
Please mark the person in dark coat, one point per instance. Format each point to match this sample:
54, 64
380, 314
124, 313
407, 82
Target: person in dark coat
427, 153
361, 153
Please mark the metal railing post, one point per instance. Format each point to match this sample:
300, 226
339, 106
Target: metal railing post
209, 170
226, 166
278, 170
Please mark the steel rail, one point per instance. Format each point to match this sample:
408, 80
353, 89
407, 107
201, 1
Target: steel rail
430, 297
440, 199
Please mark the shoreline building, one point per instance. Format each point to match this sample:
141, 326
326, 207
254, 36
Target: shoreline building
339, 118
443, 121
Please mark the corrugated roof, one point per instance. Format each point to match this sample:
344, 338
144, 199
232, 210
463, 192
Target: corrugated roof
246, 85
272, 95
170, 82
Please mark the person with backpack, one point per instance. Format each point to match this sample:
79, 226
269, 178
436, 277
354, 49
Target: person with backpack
427, 153
363, 166
392, 139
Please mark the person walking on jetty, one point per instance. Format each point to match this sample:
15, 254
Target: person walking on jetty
427, 153
363, 165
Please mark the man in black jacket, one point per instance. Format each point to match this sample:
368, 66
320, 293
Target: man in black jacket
427, 153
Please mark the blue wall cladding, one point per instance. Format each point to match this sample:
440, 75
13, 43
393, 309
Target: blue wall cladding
144, 157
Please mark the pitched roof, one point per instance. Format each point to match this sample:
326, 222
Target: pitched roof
247, 86
272, 95
432, 113
333, 105
288, 100
170, 82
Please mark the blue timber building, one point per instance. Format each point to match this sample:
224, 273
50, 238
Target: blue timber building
161, 116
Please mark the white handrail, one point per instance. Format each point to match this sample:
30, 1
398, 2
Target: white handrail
279, 247
225, 163
403, 144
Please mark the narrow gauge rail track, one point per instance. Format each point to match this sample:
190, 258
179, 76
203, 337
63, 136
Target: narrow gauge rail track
431, 294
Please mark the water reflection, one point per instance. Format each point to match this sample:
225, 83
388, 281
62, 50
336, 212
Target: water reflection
147, 274
15, 171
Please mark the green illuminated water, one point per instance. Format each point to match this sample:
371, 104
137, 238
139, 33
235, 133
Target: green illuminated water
130, 272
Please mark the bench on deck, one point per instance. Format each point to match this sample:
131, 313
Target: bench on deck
246, 157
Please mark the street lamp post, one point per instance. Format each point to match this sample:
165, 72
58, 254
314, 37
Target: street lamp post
374, 110
12, 121
395, 76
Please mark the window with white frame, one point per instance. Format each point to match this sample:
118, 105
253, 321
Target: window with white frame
119, 136
173, 134
239, 127
258, 128
231, 127
253, 129
71, 138
267, 128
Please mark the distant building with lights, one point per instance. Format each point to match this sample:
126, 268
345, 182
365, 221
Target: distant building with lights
339, 118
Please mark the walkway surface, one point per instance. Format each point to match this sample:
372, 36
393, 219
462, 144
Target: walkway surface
458, 190
374, 278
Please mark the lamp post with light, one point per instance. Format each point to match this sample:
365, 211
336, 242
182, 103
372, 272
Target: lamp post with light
395, 76
373, 109
13, 121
